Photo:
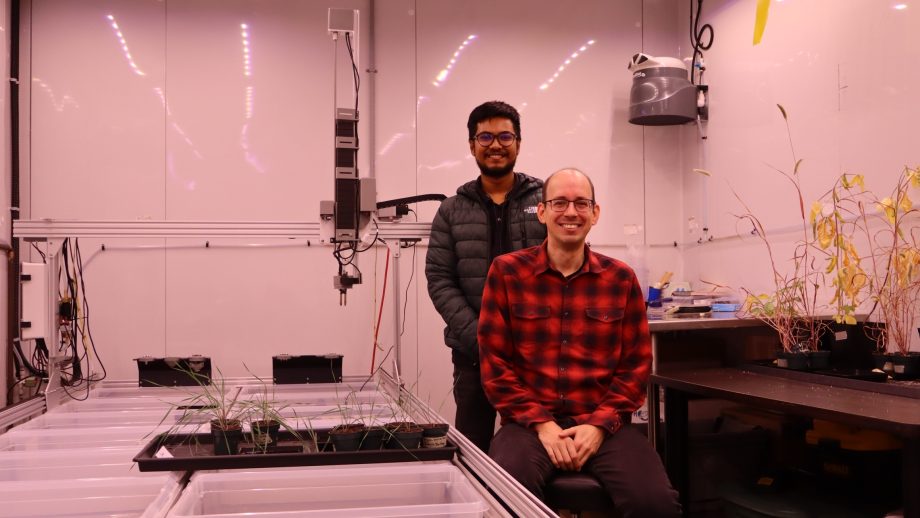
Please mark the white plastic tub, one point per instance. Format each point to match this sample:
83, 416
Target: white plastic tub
55, 419
19, 439
366, 491
69, 464
147, 497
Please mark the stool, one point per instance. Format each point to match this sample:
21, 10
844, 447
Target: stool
578, 492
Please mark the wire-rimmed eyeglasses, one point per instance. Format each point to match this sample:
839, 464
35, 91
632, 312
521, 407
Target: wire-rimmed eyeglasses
561, 204
505, 138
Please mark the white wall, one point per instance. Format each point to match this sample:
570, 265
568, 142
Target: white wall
844, 71
181, 143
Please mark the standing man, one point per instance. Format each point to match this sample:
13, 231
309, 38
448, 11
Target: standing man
566, 354
489, 216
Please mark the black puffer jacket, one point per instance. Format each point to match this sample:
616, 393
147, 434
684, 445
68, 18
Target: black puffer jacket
458, 255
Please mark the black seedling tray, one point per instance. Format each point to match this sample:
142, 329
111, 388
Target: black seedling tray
196, 452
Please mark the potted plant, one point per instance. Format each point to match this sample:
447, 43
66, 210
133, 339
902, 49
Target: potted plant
266, 419
890, 229
212, 402
434, 435
791, 308
834, 222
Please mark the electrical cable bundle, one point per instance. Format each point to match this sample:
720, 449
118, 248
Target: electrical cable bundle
76, 335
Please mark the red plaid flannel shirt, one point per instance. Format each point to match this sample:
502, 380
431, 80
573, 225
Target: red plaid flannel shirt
552, 347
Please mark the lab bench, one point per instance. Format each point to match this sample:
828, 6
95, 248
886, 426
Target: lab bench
702, 361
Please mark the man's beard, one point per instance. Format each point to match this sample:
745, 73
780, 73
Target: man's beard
495, 172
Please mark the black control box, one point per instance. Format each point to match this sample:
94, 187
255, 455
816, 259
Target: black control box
289, 369
173, 371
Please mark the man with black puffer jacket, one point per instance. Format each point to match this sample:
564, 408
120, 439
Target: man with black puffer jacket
489, 216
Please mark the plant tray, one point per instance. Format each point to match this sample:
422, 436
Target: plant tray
179, 452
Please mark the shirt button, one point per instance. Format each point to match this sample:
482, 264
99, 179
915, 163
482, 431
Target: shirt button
565, 342
565, 314
561, 369
561, 396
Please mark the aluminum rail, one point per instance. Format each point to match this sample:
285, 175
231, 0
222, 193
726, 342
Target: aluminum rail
58, 229
517, 499
21, 411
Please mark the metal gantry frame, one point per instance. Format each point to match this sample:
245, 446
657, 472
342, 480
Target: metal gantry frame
496, 483
54, 232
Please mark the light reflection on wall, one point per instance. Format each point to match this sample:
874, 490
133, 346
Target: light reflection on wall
247, 64
124, 45
178, 129
66, 99
390, 143
442, 75
249, 100
568, 61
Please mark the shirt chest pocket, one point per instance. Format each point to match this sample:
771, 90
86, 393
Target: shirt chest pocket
530, 311
603, 315
530, 325
601, 331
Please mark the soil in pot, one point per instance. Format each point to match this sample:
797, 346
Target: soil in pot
434, 435
227, 437
347, 437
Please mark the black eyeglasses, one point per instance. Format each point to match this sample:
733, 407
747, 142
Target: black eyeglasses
505, 138
561, 204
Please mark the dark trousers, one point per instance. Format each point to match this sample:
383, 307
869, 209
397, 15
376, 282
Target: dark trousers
475, 416
625, 464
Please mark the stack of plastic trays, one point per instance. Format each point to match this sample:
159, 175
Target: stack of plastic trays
90, 481
76, 460
432, 490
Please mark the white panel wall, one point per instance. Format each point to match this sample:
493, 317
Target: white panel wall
151, 110
195, 138
843, 71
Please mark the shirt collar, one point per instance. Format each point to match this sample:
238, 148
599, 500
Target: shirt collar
541, 261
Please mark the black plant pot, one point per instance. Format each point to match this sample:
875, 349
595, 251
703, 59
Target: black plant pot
347, 437
227, 438
434, 435
792, 360
265, 433
906, 366
373, 438
392, 427
819, 360
403, 436
883, 362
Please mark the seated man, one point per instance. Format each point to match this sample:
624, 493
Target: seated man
565, 355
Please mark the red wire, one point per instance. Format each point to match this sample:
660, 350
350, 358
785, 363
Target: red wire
383, 296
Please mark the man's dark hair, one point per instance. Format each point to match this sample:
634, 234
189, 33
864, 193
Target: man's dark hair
490, 110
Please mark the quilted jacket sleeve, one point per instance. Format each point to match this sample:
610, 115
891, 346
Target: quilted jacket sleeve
443, 283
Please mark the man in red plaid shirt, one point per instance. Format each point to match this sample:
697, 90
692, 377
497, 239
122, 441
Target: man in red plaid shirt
565, 355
